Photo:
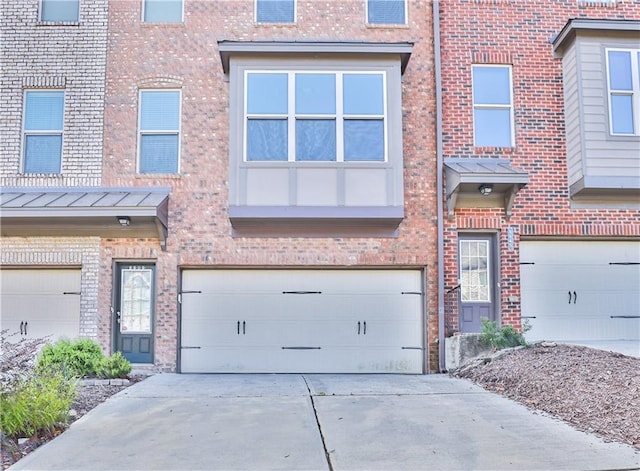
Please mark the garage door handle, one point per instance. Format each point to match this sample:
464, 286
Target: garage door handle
624, 317
244, 327
412, 348
72, 292
575, 297
302, 292
302, 348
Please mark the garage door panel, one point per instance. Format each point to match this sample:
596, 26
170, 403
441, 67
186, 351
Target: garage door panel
576, 290
301, 321
47, 300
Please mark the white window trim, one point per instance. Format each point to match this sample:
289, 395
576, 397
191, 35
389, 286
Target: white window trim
144, 6
509, 107
295, 15
177, 132
339, 116
404, 23
41, 132
634, 93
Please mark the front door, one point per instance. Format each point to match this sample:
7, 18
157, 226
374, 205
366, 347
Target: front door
134, 311
476, 273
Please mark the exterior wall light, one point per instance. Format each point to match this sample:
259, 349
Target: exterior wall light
124, 220
485, 189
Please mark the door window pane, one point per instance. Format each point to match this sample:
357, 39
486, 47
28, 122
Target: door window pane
60, 10
162, 11
275, 11
135, 309
474, 270
43, 126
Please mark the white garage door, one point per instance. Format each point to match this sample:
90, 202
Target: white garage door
301, 321
39, 303
581, 290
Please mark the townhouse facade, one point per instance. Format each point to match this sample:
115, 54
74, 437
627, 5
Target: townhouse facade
294, 186
541, 160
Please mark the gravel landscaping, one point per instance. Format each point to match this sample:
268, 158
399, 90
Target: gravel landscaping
593, 390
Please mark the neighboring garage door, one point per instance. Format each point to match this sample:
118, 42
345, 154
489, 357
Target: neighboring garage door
40, 302
302, 321
581, 290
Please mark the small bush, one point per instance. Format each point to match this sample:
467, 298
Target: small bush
37, 403
499, 338
116, 366
77, 359
17, 358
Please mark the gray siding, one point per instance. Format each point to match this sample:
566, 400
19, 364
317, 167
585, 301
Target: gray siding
594, 156
65, 56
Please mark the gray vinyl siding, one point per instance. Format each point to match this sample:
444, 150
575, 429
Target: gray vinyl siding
593, 155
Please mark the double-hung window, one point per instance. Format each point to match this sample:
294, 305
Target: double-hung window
623, 78
492, 106
275, 11
386, 12
162, 11
42, 131
59, 10
315, 116
159, 131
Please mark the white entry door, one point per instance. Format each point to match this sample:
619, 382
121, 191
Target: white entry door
294, 321
581, 290
40, 303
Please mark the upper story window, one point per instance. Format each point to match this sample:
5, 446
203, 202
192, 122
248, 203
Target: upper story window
159, 131
492, 106
275, 11
315, 116
623, 74
162, 11
42, 133
386, 12
59, 10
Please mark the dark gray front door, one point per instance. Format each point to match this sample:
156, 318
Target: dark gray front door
134, 311
477, 286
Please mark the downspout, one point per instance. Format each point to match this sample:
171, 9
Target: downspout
439, 181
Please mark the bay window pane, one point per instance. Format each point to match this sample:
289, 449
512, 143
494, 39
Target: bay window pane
316, 140
42, 153
315, 93
267, 139
622, 114
363, 94
363, 140
492, 127
267, 94
159, 153
620, 70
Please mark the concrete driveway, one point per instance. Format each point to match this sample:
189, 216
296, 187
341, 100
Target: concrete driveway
320, 422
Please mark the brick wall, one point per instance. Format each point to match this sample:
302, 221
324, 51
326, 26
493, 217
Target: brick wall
519, 33
66, 56
141, 55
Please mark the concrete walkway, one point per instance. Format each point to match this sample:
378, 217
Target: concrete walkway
320, 422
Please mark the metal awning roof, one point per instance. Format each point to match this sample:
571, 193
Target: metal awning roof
88, 211
464, 176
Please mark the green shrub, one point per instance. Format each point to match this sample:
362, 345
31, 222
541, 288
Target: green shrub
500, 338
116, 366
37, 403
77, 359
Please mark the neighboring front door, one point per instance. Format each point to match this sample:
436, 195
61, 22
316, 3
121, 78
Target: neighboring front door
477, 293
134, 311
